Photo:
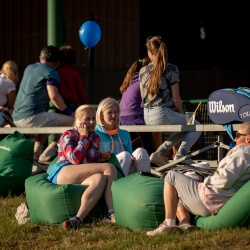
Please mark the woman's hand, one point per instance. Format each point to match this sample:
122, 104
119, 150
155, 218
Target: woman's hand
104, 156
133, 159
81, 127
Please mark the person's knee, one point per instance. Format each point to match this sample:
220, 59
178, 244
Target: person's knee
126, 156
112, 169
170, 177
140, 152
98, 179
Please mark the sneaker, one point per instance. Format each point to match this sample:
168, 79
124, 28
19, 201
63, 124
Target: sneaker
158, 159
72, 223
188, 161
48, 155
109, 218
164, 228
187, 227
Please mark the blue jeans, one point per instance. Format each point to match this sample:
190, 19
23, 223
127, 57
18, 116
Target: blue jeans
167, 116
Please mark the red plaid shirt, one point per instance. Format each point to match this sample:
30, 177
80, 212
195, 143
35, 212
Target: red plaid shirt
78, 149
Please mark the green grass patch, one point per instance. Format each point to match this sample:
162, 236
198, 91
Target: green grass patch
98, 235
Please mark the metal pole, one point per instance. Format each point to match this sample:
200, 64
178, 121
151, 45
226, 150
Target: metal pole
56, 34
56, 23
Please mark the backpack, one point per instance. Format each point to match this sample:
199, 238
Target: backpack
230, 105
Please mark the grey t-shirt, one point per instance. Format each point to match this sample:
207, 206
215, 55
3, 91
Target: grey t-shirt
164, 97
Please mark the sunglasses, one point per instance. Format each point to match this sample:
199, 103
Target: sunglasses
152, 37
238, 135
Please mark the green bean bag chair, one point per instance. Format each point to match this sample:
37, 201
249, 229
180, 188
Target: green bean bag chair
16, 161
138, 201
51, 203
236, 212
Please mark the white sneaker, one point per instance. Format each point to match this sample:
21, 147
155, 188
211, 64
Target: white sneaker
158, 159
188, 161
164, 228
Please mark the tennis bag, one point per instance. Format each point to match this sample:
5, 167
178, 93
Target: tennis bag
16, 161
229, 105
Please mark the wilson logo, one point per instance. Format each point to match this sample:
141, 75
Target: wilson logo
219, 107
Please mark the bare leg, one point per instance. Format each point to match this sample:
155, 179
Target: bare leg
183, 215
79, 173
38, 145
170, 201
54, 143
175, 147
90, 197
41, 139
157, 138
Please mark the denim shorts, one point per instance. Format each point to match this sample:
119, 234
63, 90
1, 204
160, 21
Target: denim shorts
164, 116
54, 170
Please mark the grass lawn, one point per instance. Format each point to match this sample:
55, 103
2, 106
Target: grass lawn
98, 235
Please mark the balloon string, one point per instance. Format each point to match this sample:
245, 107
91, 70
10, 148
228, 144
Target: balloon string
88, 69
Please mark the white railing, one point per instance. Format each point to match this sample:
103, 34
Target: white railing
131, 128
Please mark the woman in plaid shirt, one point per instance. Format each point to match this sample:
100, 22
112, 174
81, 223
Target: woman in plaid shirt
80, 162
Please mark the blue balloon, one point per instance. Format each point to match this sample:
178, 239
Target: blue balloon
90, 33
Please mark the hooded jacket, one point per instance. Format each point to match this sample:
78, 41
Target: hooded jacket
232, 173
116, 143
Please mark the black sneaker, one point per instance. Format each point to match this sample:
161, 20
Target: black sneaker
72, 223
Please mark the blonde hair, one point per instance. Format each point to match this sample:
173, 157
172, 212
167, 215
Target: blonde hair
104, 105
10, 69
80, 109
